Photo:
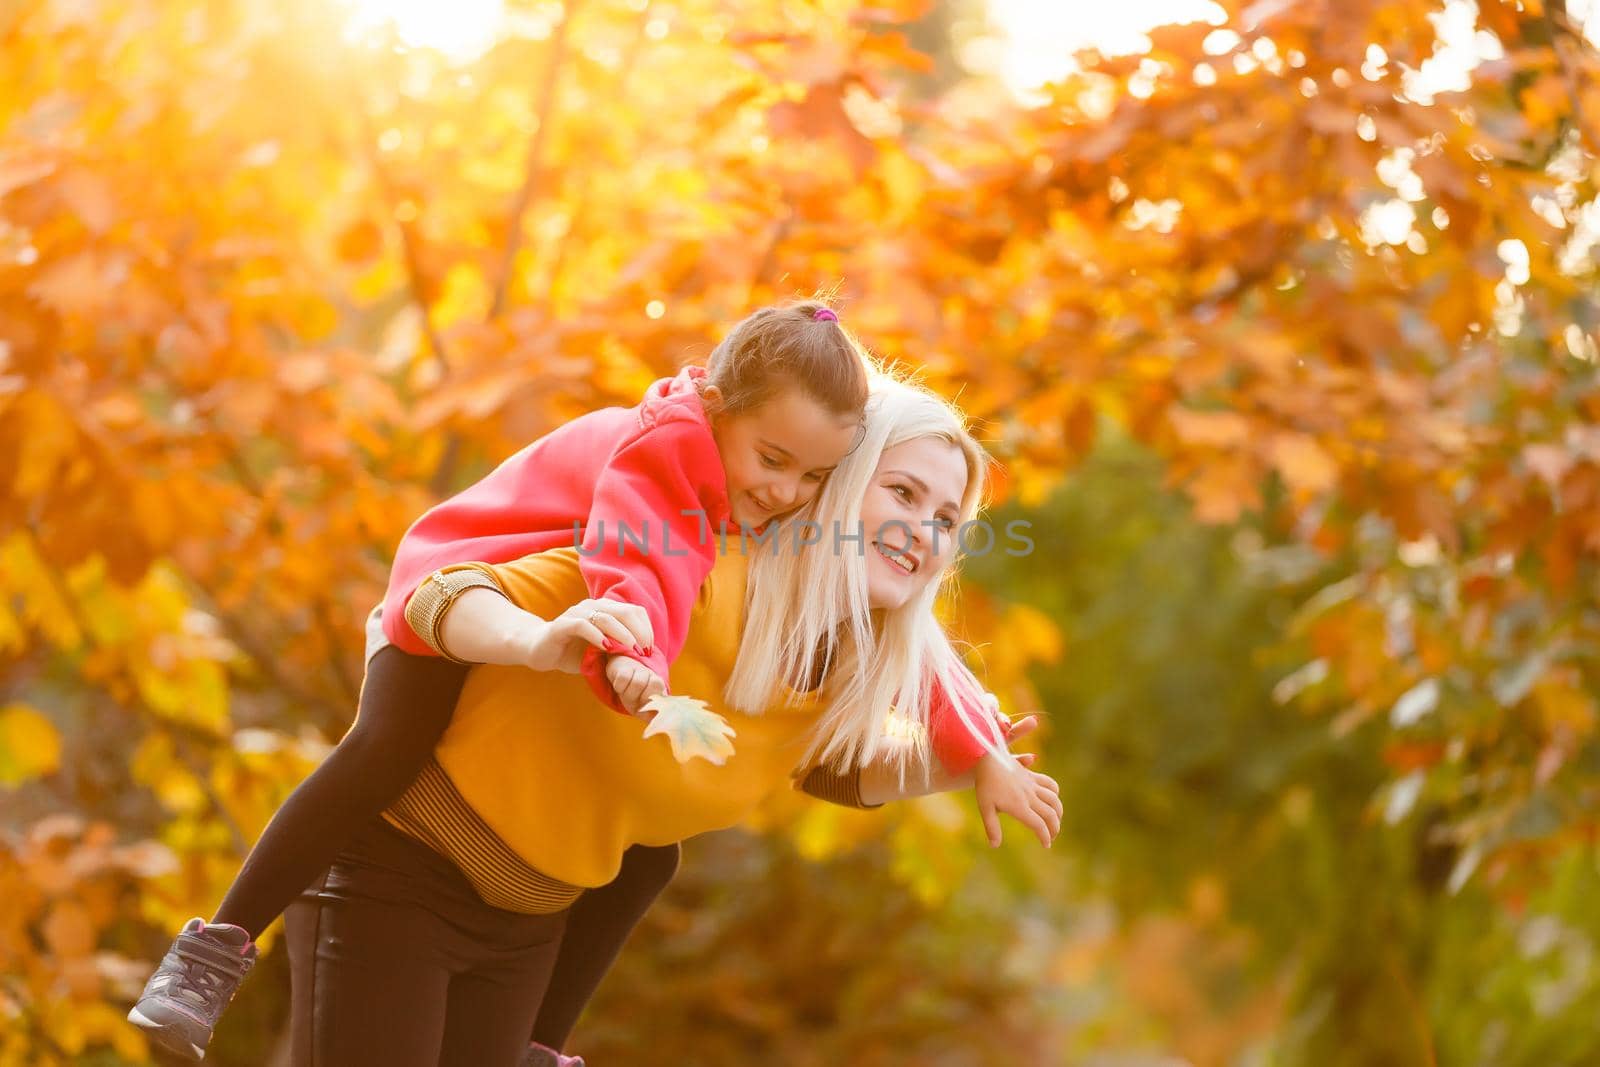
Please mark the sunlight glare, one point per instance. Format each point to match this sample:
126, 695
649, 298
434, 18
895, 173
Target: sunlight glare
1040, 36
461, 29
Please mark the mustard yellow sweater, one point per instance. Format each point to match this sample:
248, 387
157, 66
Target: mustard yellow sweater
537, 789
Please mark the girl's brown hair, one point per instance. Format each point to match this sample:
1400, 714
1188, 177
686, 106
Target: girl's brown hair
789, 346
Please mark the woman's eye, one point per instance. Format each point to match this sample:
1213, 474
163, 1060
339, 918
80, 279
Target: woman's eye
901, 491
770, 463
945, 522
815, 477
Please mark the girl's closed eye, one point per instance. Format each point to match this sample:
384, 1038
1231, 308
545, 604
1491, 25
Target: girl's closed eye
771, 462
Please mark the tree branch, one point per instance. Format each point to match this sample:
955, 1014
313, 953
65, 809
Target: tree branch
544, 115
410, 248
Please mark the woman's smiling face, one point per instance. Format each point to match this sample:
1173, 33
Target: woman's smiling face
910, 514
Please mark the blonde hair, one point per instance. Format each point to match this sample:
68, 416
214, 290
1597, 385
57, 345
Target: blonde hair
807, 614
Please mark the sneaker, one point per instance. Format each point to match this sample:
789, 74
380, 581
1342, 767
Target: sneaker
544, 1056
197, 978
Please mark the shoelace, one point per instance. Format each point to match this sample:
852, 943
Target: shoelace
203, 974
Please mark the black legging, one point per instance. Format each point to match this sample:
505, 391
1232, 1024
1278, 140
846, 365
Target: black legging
406, 703
598, 924
396, 960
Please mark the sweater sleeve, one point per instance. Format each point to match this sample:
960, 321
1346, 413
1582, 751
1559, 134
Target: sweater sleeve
953, 716
648, 540
843, 789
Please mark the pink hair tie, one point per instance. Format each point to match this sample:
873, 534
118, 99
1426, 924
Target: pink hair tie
825, 315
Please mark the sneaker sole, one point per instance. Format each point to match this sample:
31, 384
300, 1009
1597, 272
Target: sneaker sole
163, 1038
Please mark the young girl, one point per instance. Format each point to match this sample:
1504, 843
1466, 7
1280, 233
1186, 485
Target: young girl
746, 440
430, 940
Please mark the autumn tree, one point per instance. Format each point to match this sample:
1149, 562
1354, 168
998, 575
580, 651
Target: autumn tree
266, 292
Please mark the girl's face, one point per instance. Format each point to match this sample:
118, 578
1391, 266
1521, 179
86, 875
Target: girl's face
778, 455
910, 515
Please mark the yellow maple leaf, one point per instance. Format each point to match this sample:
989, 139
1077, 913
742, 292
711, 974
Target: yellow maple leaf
692, 728
30, 746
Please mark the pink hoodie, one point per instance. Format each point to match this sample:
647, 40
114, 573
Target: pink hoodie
641, 468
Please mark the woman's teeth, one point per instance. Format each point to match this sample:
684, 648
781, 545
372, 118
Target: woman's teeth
896, 557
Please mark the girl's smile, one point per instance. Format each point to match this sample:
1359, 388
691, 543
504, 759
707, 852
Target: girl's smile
778, 455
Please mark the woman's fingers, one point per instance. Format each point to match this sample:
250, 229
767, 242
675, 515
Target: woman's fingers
639, 623
635, 618
604, 618
991, 823
1052, 823
1053, 802
1046, 798
583, 630
576, 624
628, 624
1055, 823
1023, 727
1027, 759
1036, 822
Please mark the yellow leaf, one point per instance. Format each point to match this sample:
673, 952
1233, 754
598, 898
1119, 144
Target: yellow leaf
692, 728
1303, 463
68, 931
155, 764
45, 441
1223, 488
1565, 706
29, 745
1209, 428
26, 577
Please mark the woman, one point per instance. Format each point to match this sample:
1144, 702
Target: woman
430, 940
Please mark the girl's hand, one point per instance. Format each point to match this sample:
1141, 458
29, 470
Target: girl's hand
634, 683
1031, 798
558, 644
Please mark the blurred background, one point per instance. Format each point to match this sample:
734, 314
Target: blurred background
1280, 318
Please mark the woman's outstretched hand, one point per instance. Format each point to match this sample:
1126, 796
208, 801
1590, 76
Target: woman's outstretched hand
1012, 787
